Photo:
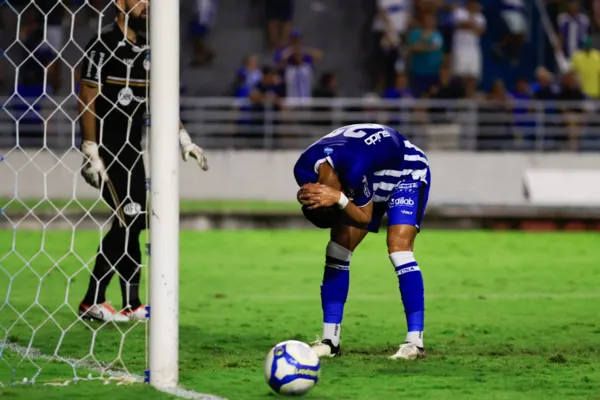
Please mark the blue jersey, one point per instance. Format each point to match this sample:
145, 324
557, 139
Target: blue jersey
370, 160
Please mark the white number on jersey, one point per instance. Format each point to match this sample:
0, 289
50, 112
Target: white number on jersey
353, 131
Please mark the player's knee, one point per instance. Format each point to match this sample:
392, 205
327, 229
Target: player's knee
401, 238
337, 256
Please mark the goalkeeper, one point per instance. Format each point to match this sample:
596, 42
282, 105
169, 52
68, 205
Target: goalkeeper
112, 104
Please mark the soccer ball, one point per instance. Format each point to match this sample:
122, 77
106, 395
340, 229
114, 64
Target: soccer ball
292, 368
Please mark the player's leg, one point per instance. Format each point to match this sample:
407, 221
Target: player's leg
129, 268
344, 239
110, 250
119, 251
405, 212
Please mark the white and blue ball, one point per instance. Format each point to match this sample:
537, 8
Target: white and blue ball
292, 368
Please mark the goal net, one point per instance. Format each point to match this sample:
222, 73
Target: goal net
53, 223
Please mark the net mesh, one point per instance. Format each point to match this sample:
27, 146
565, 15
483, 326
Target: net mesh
51, 221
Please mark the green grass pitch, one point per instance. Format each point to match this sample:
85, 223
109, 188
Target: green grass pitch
509, 316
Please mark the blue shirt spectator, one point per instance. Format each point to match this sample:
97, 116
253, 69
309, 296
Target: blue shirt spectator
400, 90
425, 46
249, 75
573, 28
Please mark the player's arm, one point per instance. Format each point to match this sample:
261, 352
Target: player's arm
93, 169
189, 148
316, 195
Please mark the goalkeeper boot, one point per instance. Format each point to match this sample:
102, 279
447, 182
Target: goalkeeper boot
103, 312
409, 351
137, 314
325, 348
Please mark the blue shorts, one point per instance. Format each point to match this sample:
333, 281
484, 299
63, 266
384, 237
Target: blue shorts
406, 206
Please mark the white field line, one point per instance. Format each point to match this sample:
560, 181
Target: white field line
435, 297
108, 375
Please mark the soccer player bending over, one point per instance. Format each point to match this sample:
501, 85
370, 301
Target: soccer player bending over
112, 104
349, 179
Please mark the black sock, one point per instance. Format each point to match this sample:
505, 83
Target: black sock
119, 252
105, 266
130, 271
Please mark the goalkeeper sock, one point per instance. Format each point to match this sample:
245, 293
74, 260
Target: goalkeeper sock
104, 268
413, 294
129, 270
334, 290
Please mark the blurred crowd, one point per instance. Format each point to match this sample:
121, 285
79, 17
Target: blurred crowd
426, 49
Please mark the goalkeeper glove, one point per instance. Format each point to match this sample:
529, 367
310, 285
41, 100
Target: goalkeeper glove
93, 171
188, 148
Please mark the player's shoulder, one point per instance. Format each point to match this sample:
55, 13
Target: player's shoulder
108, 37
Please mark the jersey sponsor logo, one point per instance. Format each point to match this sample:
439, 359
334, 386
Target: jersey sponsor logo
132, 209
125, 96
88, 73
413, 185
328, 150
147, 61
402, 201
376, 137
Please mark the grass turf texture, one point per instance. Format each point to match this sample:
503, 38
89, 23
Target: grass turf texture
509, 315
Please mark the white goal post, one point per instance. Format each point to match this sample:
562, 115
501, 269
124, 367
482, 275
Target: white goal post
164, 188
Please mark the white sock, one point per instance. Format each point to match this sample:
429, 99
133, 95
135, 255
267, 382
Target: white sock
415, 338
332, 332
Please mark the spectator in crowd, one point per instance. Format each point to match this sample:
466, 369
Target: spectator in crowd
400, 90
327, 87
52, 16
586, 65
298, 74
596, 13
448, 88
544, 87
282, 54
279, 15
573, 28
494, 131
523, 114
32, 76
513, 15
572, 108
389, 32
249, 75
446, 25
546, 90
270, 91
425, 48
466, 49
200, 26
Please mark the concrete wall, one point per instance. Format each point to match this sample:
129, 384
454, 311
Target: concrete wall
458, 177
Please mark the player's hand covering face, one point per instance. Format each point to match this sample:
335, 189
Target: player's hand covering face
316, 195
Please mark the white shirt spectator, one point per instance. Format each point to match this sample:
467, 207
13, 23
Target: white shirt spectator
466, 47
398, 12
298, 81
206, 11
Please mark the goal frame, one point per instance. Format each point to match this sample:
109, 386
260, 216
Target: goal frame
163, 344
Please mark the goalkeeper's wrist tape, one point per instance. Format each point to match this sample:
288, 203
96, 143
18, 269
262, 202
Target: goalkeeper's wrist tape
184, 138
343, 201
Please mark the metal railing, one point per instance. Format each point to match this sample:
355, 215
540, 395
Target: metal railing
228, 123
